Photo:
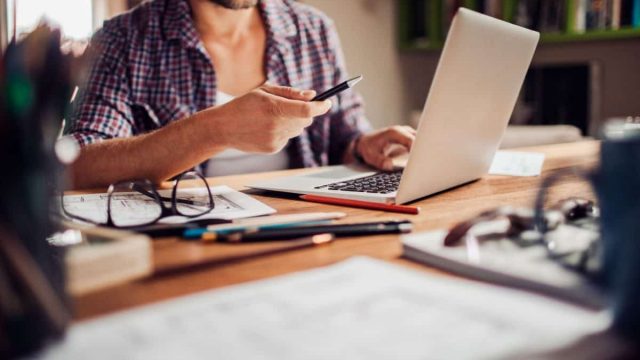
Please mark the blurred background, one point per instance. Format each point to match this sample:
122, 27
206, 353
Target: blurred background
585, 71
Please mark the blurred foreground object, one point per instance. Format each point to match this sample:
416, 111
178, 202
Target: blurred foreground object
618, 186
35, 87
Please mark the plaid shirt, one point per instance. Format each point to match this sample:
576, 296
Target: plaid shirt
153, 69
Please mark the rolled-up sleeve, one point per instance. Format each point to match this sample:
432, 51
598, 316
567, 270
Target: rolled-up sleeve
347, 117
102, 108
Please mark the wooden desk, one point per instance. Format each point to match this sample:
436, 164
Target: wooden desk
438, 211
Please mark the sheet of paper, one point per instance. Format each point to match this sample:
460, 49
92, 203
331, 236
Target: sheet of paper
517, 163
229, 204
357, 309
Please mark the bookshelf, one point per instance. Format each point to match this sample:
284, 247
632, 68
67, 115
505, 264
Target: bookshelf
423, 24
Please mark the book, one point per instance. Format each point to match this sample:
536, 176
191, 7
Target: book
418, 19
552, 16
525, 14
626, 13
596, 15
102, 257
493, 8
509, 8
614, 14
449, 9
504, 263
578, 16
635, 17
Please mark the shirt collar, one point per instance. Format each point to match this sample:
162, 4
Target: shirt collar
177, 22
278, 19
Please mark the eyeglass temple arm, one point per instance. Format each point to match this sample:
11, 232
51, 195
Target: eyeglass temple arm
539, 220
458, 231
147, 193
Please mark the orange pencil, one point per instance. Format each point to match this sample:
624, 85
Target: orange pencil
362, 204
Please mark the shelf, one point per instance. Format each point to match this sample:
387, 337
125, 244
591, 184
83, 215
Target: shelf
421, 47
433, 31
594, 35
551, 38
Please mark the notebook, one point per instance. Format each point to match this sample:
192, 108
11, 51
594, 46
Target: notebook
505, 263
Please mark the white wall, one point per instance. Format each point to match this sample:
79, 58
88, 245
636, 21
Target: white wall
367, 32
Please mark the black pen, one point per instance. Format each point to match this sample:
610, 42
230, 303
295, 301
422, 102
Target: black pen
339, 230
338, 89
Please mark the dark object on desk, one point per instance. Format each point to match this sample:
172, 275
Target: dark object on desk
618, 186
340, 230
35, 88
338, 89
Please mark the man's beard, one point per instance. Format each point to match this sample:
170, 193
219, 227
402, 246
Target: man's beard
236, 4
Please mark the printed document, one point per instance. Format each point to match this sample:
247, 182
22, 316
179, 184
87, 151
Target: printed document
229, 204
360, 308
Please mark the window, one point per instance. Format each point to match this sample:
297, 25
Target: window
73, 17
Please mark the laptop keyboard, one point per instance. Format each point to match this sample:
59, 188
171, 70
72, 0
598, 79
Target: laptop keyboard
380, 183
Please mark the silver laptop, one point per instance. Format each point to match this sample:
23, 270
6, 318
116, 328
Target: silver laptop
476, 84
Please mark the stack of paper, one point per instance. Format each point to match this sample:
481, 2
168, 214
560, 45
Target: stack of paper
358, 309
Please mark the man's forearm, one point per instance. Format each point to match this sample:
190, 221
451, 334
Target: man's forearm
156, 156
261, 121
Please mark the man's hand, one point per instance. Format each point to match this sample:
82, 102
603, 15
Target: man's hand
380, 147
266, 118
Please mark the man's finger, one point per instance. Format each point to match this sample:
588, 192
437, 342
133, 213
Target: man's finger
303, 109
411, 130
288, 92
383, 163
408, 130
376, 158
400, 136
392, 150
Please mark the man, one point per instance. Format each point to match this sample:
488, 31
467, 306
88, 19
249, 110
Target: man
182, 83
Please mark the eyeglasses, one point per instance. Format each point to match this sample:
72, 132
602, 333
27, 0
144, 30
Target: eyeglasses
130, 204
568, 230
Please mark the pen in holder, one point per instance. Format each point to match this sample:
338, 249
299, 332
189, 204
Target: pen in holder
35, 84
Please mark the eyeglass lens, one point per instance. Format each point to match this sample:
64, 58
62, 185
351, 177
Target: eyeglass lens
134, 203
192, 195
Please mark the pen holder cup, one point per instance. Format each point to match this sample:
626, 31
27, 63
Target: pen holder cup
617, 184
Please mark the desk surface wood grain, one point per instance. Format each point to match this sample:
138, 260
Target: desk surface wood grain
187, 267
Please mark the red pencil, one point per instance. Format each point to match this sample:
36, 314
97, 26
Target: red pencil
362, 204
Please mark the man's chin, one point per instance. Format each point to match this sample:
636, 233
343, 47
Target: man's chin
236, 4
